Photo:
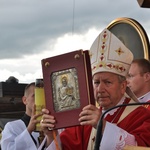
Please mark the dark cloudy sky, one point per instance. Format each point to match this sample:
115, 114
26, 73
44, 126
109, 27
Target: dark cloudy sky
33, 29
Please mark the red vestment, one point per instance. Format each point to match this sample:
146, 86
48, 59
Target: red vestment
136, 123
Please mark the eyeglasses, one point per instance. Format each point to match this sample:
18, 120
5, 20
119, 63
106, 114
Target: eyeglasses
130, 76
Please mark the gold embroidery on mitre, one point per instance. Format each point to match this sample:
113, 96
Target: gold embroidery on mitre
104, 37
102, 58
110, 66
103, 49
98, 65
119, 51
120, 68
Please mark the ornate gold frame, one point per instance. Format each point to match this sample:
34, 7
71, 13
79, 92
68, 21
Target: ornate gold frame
138, 28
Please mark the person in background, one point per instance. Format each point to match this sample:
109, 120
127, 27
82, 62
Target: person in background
0, 136
19, 134
110, 62
139, 79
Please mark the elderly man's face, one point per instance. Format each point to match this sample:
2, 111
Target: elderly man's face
108, 90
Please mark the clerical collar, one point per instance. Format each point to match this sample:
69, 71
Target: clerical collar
26, 119
145, 97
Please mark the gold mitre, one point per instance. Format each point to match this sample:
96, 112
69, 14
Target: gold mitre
109, 54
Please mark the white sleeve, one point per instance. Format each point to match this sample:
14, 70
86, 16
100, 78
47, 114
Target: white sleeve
116, 138
16, 137
52, 146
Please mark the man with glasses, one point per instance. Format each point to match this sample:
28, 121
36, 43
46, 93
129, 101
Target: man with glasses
139, 79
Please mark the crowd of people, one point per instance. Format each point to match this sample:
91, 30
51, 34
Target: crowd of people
114, 69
